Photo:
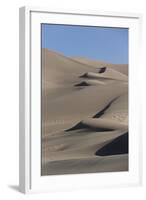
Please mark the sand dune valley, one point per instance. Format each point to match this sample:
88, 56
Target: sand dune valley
84, 110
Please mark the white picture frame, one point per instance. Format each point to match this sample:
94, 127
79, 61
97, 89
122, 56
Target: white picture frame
30, 178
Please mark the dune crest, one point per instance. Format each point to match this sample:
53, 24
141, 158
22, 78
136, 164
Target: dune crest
123, 68
104, 123
107, 74
90, 82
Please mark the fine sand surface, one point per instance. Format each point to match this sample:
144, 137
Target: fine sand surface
84, 115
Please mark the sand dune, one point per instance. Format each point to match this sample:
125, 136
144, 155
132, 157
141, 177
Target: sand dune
84, 111
108, 74
81, 103
104, 123
90, 82
118, 146
90, 165
123, 68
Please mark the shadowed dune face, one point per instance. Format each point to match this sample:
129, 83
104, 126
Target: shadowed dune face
90, 83
117, 146
84, 110
102, 69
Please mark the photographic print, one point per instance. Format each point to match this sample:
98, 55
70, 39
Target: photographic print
84, 99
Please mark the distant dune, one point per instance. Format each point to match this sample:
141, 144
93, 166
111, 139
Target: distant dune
84, 115
123, 68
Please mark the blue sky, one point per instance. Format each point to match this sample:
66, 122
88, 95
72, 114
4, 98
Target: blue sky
98, 43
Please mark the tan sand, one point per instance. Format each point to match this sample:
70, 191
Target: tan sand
84, 108
123, 68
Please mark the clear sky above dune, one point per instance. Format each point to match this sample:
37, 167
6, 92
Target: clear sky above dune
99, 43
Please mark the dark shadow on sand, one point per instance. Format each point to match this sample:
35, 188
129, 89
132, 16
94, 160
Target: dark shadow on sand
80, 125
118, 146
